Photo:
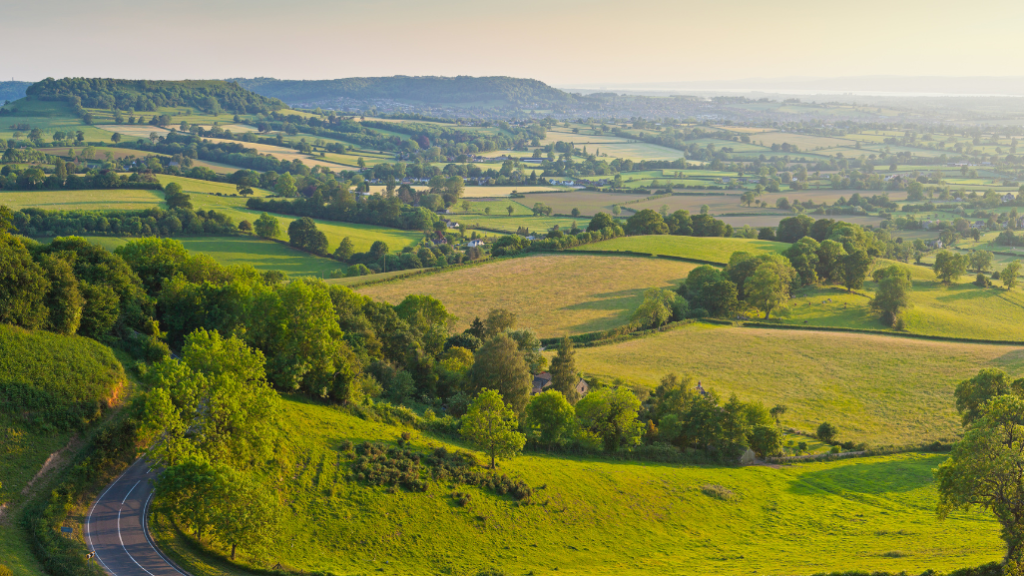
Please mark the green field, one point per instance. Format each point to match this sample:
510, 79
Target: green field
882, 390
710, 249
597, 517
82, 199
552, 294
510, 224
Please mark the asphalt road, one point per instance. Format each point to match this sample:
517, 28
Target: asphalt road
115, 528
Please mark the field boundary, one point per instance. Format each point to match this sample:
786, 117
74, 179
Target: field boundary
781, 326
645, 255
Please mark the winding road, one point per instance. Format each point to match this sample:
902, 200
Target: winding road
115, 528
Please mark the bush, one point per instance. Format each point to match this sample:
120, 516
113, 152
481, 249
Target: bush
716, 491
827, 432
981, 281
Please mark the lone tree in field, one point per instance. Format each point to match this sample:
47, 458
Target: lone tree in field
1009, 274
980, 260
949, 267
564, 375
827, 432
777, 411
893, 293
345, 250
491, 426
986, 470
267, 226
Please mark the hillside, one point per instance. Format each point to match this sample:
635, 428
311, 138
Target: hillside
594, 516
49, 385
432, 90
149, 95
13, 90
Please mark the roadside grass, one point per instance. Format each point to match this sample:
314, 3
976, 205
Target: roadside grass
879, 389
699, 248
594, 516
553, 294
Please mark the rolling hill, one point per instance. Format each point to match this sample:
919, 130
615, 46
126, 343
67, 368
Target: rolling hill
432, 90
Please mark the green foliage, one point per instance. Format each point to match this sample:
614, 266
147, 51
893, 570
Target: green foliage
564, 374
53, 380
972, 394
892, 296
949, 267
23, 285
770, 284
827, 432
1010, 274
490, 425
499, 365
659, 307
267, 226
550, 418
611, 414
303, 233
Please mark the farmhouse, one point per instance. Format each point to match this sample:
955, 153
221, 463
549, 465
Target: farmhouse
1008, 197
475, 243
542, 382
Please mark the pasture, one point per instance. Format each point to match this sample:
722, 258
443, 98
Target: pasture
587, 519
120, 199
280, 152
588, 203
710, 249
509, 224
553, 294
878, 389
483, 191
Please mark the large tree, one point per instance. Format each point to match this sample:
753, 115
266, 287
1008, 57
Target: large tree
770, 284
491, 425
564, 374
893, 293
611, 414
267, 226
499, 365
1010, 273
550, 417
949, 267
855, 267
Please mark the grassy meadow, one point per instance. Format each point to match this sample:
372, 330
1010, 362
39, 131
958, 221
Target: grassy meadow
710, 249
882, 390
554, 294
598, 517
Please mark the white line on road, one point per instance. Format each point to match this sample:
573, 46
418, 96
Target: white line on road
129, 492
88, 521
145, 530
123, 546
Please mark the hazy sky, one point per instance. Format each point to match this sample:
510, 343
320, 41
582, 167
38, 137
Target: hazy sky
562, 42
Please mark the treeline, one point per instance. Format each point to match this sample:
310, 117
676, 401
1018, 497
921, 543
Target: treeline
347, 207
150, 222
678, 223
212, 96
63, 177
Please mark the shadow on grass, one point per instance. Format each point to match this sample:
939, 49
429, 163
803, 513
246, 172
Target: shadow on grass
867, 477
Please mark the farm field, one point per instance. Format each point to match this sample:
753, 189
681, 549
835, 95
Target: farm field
483, 191
554, 295
48, 117
961, 310
761, 220
879, 389
588, 203
263, 255
190, 185
805, 142
710, 249
874, 513
509, 224
279, 152
120, 199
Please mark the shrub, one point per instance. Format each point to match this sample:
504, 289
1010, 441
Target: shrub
827, 432
716, 491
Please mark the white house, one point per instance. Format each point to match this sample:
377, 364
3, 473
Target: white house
475, 243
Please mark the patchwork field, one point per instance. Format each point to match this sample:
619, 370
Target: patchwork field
878, 389
552, 294
710, 249
876, 514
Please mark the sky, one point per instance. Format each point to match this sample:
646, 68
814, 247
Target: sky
562, 42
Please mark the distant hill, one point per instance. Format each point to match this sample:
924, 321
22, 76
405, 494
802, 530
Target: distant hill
430, 90
148, 95
13, 90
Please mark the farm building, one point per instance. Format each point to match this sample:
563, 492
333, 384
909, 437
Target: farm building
542, 382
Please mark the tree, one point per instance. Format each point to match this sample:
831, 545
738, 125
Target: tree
949, 267
611, 413
972, 394
116, 137
827, 432
803, 255
646, 222
64, 299
345, 250
304, 234
23, 285
986, 470
267, 226
855, 267
777, 411
491, 426
659, 306
1010, 273
550, 417
498, 320
285, 185
246, 516
893, 293
769, 286
500, 365
830, 257
564, 375
980, 260
765, 440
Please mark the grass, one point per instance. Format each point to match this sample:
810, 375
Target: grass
589, 203
189, 185
510, 224
710, 249
877, 389
552, 294
66, 370
483, 191
599, 517
961, 310
122, 199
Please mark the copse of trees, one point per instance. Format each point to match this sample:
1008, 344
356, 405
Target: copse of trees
149, 222
63, 178
679, 223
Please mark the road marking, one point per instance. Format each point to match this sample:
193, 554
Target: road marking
88, 520
129, 492
123, 546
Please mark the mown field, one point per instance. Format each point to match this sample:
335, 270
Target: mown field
597, 517
588, 203
710, 249
510, 224
883, 390
553, 294
82, 199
